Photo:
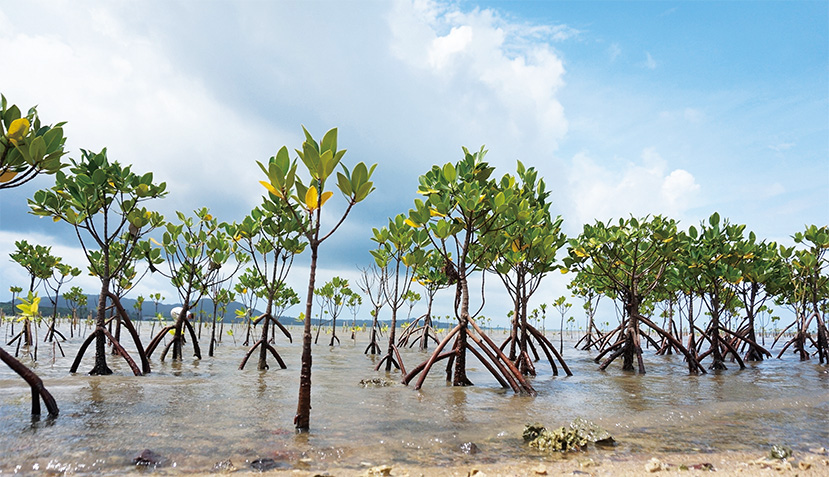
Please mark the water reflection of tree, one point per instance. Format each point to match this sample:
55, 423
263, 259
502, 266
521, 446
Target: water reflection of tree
456, 405
632, 389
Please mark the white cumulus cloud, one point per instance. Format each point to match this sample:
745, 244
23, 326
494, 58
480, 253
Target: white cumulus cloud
603, 192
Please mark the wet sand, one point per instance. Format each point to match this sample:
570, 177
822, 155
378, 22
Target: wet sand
813, 463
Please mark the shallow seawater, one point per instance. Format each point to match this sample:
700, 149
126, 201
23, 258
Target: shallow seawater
198, 412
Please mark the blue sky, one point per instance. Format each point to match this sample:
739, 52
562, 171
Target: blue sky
680, 108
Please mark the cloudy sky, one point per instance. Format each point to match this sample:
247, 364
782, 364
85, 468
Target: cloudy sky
679, 108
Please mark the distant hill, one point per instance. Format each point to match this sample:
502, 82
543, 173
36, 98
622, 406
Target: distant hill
148, 311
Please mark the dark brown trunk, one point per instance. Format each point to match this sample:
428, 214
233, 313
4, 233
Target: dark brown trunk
101, 368
303, 410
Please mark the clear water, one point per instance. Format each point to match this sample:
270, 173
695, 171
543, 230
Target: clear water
199, 412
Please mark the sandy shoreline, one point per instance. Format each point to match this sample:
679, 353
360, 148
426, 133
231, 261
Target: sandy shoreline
812, 463
744, 464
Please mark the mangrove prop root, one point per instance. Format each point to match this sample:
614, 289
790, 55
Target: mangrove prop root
123, 353
547, 346
424, 370
693, 363
414, 372
142, 354
248, 354
196, 348
277, 357
35, 383
492, 370
81, 351
502, 375
157, 340
525, 386
167, 349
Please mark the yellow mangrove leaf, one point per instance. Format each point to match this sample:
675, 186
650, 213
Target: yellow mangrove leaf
580, 252
273, 190
18, 130
515, 247
154, 241
311, 198
411, 224
435, 213
325, 197
7, 176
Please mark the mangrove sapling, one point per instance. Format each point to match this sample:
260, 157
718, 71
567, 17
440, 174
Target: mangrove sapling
139, 311
712, 259
102, 201
806, 291
371, 282
250, 288
284, 298
668, 305
15, 290
76, 300
522, 254
763, 276
462, 206
353, 303
629, 261
411, 297
196, 249
61, 273
320, 160
562, 306
593, 334
431, 277
271, 236
221, 297
39, 263
332, 297
399, 253
156, 298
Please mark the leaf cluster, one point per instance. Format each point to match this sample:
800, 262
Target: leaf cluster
27, 147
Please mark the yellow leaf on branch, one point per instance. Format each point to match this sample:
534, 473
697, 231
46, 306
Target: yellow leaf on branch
273, 190
18, 130
325, 197
311, 198
7, 176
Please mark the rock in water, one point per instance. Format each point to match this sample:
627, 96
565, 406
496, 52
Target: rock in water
574, 437
780, 452
148, 458
224, 467
376, 383
380, 470
264, 465
470, 448
592, 432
